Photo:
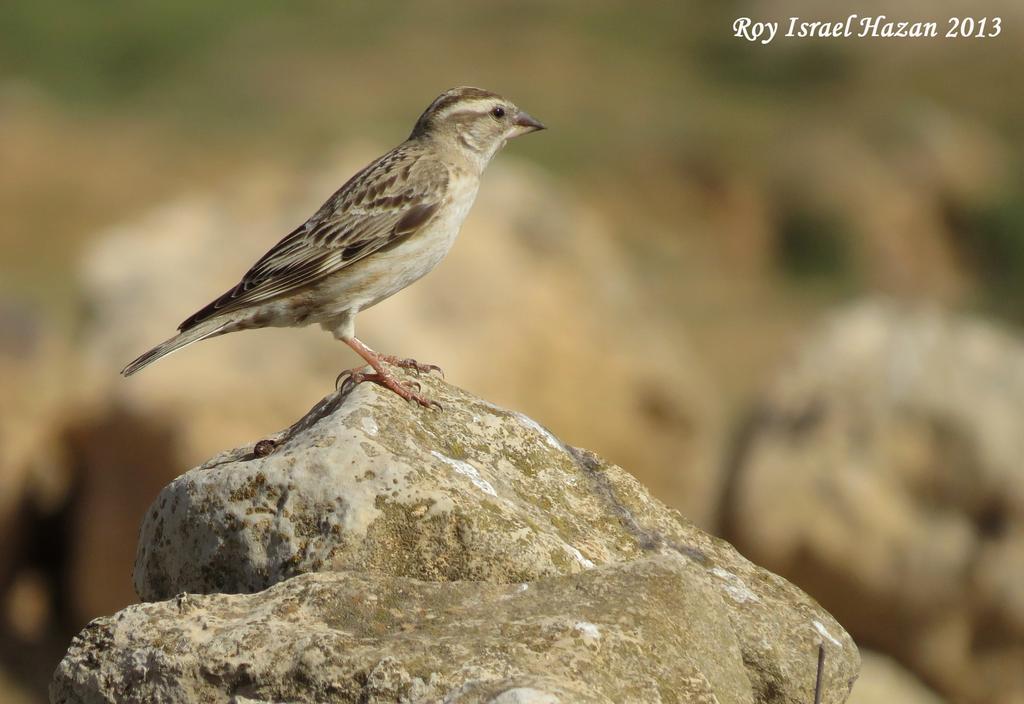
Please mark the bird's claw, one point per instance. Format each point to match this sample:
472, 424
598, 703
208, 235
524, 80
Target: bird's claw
354, 377
409, 363
343, 379
347, 385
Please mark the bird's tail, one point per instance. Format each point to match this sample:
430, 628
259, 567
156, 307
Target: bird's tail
182, 339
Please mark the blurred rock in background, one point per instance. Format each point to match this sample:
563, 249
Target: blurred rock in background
882, 473
883, 681
37, 487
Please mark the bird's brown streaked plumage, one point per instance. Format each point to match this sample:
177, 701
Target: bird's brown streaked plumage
371, 211
385, 228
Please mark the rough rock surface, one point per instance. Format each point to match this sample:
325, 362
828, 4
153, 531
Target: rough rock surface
883, 474
466, 556
478, 493
647, 631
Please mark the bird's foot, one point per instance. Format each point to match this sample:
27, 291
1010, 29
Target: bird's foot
408, 363
354, 377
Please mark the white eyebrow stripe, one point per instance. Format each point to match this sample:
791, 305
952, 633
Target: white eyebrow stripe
475, 105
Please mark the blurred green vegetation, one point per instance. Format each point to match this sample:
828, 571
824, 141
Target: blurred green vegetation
640, 73
108, 53
626, 78
814, 245
145, 100
990, 237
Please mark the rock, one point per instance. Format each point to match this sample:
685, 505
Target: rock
34, 363
656, 629
12, 691
382, 552
475, 493
39, 482
883, 474
883, 681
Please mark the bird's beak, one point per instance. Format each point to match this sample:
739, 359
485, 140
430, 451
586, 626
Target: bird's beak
526, 123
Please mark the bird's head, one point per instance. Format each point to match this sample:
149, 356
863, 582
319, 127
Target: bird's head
474, 120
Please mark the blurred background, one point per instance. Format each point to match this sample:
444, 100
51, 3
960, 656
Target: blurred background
783, 285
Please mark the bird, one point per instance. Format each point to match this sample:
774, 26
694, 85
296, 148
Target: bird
385, 228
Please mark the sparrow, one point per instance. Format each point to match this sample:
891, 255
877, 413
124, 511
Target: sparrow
387, 227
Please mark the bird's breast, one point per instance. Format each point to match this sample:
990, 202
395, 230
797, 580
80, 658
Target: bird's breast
387, 272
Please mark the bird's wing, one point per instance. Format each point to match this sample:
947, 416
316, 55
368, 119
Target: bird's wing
388, 201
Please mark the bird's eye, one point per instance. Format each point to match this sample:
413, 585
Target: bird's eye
498, 113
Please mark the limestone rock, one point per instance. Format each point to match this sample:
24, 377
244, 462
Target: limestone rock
389, 553
478, 493
658, 629
654, 629
883, 474
365, 482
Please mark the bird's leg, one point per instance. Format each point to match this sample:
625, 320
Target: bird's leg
380, 375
